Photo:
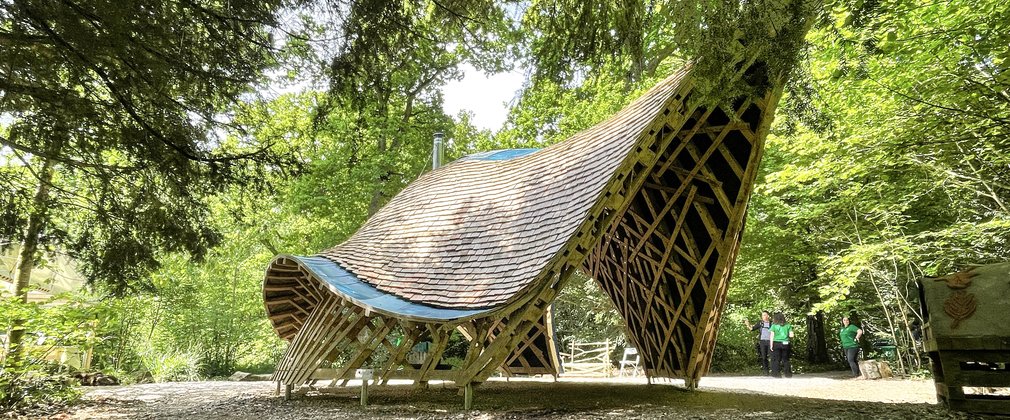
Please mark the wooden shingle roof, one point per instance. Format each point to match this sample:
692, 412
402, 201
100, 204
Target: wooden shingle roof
476, 232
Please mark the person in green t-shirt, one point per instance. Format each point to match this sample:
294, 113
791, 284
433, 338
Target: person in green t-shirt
780, 334
849, 336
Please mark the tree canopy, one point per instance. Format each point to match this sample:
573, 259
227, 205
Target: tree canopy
117, 125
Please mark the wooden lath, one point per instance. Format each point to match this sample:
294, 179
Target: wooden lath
536, 353
665, 262
338, 326
289, 297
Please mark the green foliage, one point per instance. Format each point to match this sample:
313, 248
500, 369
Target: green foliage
886, 165
736, 349
570, 40
30, 390
886, 162
884, 201
171, 365
112, 114
32, 383
583, 313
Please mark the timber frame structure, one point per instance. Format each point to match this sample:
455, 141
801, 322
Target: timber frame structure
650, 203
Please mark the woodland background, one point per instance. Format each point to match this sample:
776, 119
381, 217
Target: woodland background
172, 149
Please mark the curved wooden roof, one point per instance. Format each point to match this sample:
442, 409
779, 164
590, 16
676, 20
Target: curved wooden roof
650, 203
476, 232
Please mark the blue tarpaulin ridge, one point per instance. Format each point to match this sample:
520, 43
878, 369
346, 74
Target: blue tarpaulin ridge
365, 295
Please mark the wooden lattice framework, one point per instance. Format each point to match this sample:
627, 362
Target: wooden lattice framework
650, 202
666, 261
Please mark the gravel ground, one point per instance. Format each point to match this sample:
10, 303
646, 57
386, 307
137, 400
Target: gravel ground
719, 397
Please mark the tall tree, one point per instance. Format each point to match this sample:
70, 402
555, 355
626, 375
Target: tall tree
384, 63
891, 164
111, 122
571, 39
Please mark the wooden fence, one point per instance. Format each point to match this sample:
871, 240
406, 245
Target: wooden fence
588, 359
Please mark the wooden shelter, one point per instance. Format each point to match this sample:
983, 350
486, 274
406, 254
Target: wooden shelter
650, 202
967, 335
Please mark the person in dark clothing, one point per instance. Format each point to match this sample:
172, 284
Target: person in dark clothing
762, 345
780, 334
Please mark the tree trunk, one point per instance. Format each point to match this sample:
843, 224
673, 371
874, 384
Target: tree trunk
817, 347
29, 248
889, 318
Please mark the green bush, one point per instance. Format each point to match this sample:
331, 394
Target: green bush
29, 392
735, 348
171, 365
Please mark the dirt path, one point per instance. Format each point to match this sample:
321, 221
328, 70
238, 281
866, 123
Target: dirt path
720, 397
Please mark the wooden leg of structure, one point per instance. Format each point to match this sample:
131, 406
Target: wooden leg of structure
287, 392
441, 340
364, 392
468, 396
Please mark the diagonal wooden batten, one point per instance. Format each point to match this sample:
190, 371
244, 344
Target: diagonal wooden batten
544, 359
319, 326
713, 306
496, 350
478, 332
398, 358
326, 344
537, 309
305, 337
367, 347
301, 339
659, 341
441, 340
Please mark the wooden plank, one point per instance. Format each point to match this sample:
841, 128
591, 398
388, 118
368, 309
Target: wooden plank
367, 347
398, 357
980, 406
983, 343
441, 340
1000, 379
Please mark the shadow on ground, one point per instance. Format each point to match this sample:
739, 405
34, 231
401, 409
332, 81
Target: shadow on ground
509, 400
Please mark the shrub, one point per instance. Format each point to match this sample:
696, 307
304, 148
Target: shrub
34, 392
171, 365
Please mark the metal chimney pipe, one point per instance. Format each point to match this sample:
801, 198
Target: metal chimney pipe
437, 151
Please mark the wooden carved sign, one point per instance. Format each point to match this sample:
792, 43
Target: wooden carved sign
961, 304
960, 279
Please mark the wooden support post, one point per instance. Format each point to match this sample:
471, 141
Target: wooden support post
441, 340
287, 392
691, 383
277, 392
364, 392
468, 396
606, 357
